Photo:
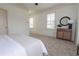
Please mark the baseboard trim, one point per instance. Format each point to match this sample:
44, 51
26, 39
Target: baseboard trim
43, 35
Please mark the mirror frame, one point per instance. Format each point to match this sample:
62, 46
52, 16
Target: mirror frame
62, 19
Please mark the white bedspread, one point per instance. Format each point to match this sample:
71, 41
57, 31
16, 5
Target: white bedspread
33, 46
9, 47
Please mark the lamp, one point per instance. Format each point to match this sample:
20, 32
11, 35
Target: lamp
70, 22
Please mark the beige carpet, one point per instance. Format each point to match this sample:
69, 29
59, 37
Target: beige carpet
57, 47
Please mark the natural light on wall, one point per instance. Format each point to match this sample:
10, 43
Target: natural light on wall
51, 21
31, 22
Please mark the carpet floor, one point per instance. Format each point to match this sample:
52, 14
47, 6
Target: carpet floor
57, 47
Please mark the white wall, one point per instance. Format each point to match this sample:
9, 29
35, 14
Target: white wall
40, 19
77, 28
40, 25
69, 10
17, 19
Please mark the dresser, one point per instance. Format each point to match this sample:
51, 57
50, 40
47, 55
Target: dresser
64, 34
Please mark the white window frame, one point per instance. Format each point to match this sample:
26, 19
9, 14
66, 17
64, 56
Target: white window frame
50, 21
31, 22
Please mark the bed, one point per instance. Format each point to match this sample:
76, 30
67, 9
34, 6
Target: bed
21, 45
33, 46
9, 47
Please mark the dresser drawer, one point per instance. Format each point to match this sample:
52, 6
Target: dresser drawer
65, 34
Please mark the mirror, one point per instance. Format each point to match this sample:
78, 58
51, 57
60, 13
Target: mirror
64, 21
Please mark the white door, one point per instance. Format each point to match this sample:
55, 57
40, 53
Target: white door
3, 22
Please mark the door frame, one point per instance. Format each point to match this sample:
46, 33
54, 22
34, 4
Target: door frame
6, 12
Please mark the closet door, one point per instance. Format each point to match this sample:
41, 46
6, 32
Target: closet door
3, 22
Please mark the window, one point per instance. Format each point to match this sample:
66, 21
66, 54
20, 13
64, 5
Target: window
51, 21
31, 22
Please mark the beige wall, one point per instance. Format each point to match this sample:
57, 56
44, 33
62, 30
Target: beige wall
40, 19
77, 27
17, 19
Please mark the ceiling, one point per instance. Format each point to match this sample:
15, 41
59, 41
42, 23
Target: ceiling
31, 7
41, 6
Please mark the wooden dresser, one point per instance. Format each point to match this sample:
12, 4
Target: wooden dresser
65, 34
